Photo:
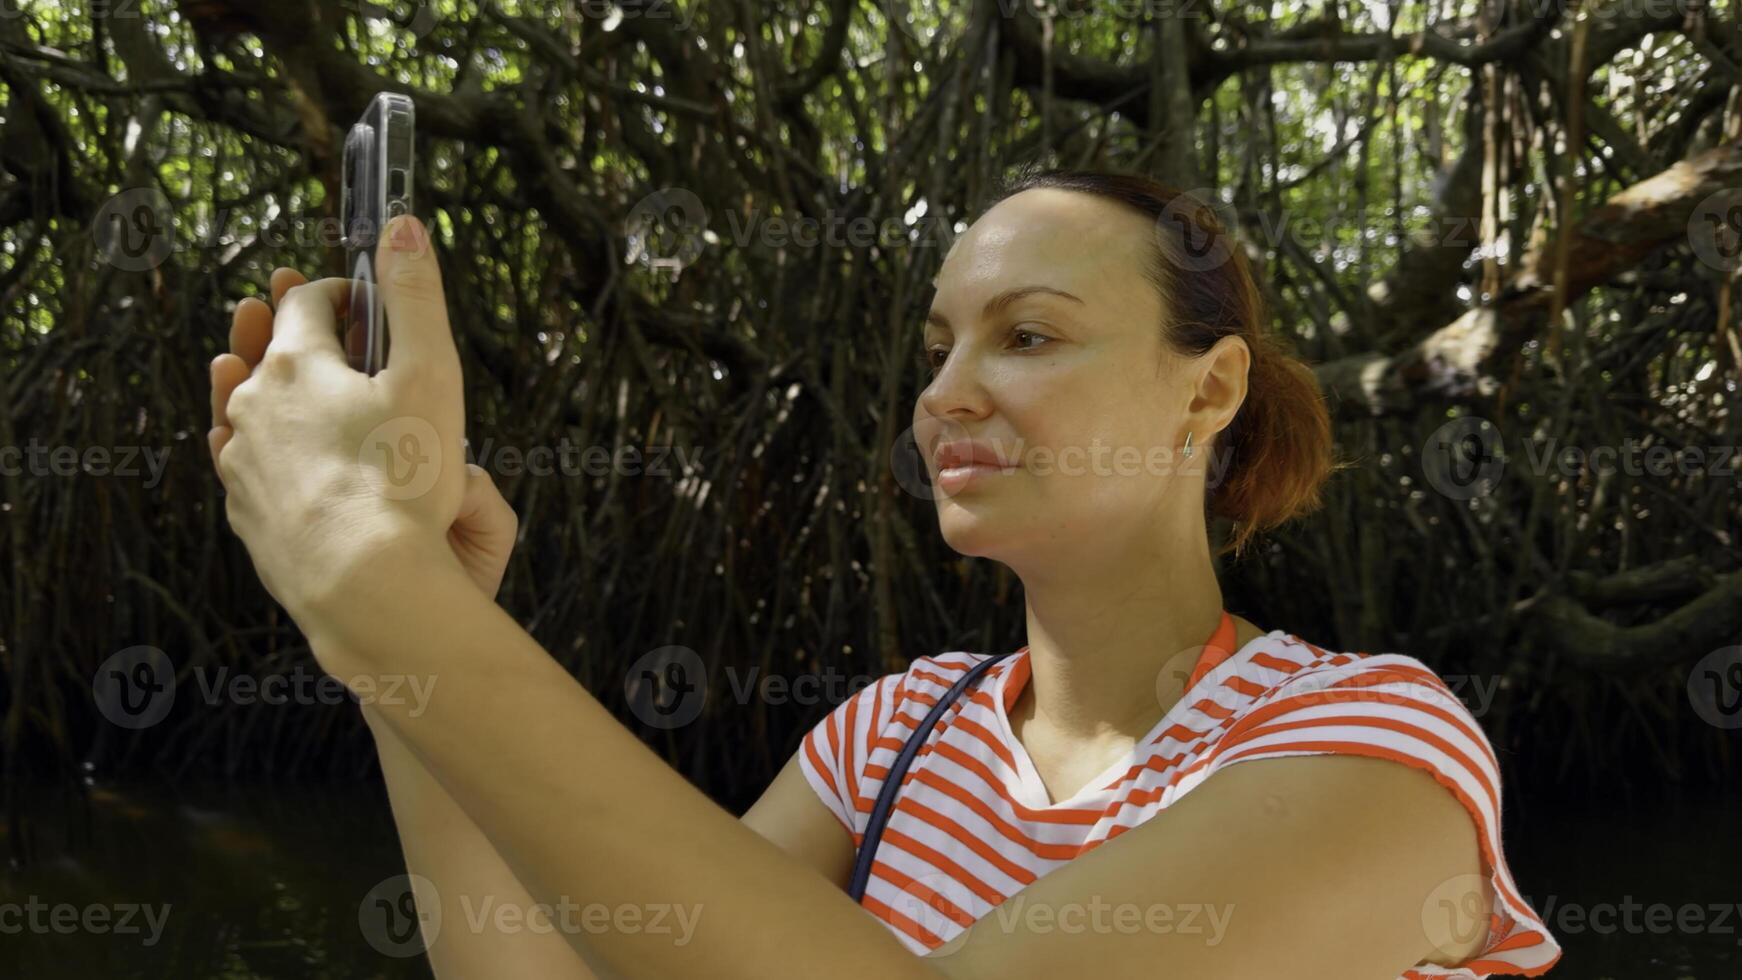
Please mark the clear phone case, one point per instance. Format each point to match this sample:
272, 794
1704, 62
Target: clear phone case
376, 188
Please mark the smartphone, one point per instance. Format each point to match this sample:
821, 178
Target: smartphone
376, 188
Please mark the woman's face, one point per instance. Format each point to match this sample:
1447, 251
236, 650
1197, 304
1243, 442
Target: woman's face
1045, 342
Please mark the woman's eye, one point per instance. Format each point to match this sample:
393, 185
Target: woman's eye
932, 360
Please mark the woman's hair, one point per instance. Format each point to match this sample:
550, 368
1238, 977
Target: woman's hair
1280, 439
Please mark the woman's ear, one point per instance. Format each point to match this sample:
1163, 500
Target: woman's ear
1221, 388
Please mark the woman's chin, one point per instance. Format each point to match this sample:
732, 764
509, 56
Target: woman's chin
967, 531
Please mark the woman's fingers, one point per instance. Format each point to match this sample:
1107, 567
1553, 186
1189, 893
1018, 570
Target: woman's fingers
410, 279
251, 330
483, 510
283, 278
216, 440
250, 335
308, 318
228, 371
482, 535
251, 326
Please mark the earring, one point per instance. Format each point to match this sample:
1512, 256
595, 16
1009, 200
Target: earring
1187, 449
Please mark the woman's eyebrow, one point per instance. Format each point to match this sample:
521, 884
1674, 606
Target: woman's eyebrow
1002, 300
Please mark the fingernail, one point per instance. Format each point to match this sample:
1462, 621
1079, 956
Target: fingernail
407, 234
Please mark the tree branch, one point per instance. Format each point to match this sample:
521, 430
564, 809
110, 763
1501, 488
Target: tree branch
1630, 226
1702, 624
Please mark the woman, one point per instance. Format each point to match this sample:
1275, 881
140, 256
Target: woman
1094, 342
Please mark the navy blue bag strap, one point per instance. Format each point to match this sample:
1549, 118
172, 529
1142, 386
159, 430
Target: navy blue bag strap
892, 782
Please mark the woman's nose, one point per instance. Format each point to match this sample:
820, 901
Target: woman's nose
958, 387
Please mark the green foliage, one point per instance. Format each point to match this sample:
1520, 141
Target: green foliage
785, 367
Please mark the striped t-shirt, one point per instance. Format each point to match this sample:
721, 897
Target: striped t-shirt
972, 824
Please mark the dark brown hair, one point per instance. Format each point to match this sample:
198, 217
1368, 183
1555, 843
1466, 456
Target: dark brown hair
1280, 439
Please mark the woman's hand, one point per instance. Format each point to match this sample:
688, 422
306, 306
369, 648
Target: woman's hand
324, 467
482, 536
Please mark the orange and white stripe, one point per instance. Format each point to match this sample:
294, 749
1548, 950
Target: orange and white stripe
973, 824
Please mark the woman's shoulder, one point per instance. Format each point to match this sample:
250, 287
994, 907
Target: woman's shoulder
1304, 699
937, 673
1283, 664
1292, 697
1289, 696
876, 716
925, 680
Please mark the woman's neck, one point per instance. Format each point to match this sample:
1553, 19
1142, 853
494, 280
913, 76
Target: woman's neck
1109, 653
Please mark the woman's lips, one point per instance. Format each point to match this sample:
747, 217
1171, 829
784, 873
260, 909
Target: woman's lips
953, 479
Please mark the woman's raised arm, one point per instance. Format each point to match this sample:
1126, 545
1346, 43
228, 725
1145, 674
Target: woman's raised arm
790, 815
477, 892
487, 928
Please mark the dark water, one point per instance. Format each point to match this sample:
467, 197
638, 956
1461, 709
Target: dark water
1635, 892
275, 882
259, 882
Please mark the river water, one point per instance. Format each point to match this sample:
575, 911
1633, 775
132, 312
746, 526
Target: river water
285, 882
